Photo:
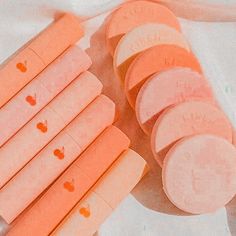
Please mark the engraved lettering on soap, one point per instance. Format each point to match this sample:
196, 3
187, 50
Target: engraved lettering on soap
32, 100
43, 126
196, 118
59, 153
169, 61
85, 211
187, 156
69, 186
147, 39
199, 184
22, 67
135, 11
183, 84
195, 181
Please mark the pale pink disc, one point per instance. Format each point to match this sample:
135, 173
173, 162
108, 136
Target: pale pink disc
199, 173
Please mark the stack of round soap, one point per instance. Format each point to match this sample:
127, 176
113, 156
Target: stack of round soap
191, 138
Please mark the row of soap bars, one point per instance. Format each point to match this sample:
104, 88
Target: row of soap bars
61, 159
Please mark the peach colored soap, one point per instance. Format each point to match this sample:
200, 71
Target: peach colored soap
65, 193
20, 149
169, 88
155, 60
133, 14
97, 205
22, 67
64, 32
185, 119
55, 158
141, 38
199, 173
234, 137
38, 93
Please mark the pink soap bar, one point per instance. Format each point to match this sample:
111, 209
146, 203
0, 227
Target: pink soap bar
37, 94
169, 88
65, 193
185, 119
23, 66
55, 158
135, 13
20, 149
141, 38
155, 60
199, 173
98, 204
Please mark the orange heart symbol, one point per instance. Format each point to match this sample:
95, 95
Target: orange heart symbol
69, 186
43, 126
59, 153
21, 67
85, 211
31, 99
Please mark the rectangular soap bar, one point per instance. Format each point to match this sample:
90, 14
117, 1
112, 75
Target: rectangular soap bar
69, 188
57, 37
55, 158
123, 176
22, 147
39, 92
106, 195
23, 66
86, 217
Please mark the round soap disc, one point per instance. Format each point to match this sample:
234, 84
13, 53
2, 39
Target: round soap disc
199, 173
155, 60
186, 119
141, 38
166, 89
133, 14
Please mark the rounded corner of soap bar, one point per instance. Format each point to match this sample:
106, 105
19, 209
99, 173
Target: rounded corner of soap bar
134, 155
121, 134
93, 79
108, 104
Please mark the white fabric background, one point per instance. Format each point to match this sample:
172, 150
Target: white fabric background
145, 212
